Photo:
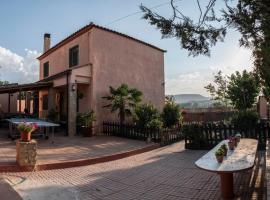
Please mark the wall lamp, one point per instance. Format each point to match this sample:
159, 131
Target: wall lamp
73, 87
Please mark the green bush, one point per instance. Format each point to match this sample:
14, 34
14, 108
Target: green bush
193, 132
53, 115
171, 114
242, 90
86, 119
147, 116
245, 119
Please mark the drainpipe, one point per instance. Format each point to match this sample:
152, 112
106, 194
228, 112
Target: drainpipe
67, 96
8, 102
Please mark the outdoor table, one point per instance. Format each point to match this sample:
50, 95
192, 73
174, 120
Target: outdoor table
13, 122
240, 159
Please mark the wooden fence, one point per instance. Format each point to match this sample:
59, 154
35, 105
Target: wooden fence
196, 135
206, 136
163, 136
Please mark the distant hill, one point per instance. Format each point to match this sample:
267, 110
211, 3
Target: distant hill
187, 98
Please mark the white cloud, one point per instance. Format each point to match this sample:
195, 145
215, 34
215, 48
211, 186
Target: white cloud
19, 69
236, 60
187, 83
193, 82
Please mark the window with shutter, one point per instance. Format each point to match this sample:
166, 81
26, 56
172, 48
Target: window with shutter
74, 56
45, 69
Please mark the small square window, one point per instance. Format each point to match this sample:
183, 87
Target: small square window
74, 56
45, 69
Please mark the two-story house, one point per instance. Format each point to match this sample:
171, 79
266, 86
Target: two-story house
86, 63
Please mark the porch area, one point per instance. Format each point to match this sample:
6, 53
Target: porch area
76, 151
57, 98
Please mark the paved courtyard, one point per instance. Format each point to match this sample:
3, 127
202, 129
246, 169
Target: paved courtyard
164, 173
71, 149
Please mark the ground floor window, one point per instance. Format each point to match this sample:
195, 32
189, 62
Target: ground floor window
45, 102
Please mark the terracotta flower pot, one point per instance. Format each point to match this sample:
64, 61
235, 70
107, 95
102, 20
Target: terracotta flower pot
25, 136
235, 142
231, 145
219, 159
87, 131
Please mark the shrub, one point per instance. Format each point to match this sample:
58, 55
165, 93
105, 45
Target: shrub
86, 119
193, 132
171, 114
53, 115
245, 119
242, 90
147, 116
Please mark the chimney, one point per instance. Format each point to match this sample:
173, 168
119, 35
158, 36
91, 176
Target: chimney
47, 42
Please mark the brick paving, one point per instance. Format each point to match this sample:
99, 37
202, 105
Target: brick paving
71, 149
165, 173
267, 177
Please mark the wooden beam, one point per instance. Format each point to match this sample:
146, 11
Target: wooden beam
20, 102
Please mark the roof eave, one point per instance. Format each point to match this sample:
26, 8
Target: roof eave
88, 28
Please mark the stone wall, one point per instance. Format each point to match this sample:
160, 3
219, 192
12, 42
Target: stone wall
26, 153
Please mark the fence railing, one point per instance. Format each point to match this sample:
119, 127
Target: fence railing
197, 136
163, 136
206, 136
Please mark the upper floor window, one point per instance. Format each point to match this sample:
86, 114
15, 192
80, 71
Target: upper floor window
74, 56
45, 69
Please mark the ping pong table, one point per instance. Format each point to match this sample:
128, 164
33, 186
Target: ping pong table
46, 126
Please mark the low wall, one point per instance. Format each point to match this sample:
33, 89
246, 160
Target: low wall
206, 116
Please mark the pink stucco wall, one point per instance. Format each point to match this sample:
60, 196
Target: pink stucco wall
59, 59
118, 60
108, 59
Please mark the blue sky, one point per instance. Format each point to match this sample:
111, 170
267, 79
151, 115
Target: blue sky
23, 24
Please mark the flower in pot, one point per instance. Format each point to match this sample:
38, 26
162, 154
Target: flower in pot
25, 130
231, 143
86, 123
225, 149
219, 155
238, 137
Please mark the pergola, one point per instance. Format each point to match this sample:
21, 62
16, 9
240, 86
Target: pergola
13, 88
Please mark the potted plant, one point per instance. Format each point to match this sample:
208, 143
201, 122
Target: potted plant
86, 123
225, 149
238, 137
219, 155
231, 143
53, 115
25, 130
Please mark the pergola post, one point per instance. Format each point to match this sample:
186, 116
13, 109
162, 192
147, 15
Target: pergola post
51, 98
72, 108
28, 101
20, 102
8, 102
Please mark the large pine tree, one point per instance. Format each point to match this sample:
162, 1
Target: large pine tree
250, 17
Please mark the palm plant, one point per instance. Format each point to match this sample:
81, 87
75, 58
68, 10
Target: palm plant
123, 99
